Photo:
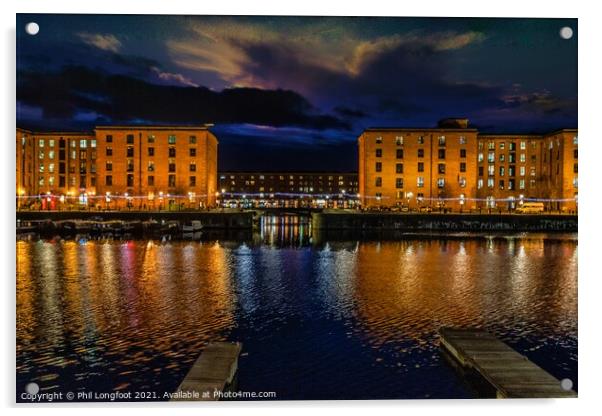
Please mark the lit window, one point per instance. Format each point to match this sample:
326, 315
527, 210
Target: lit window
379, 140
575, 140
51, 167
490, 183
51, 154
420, 181
522, 171
480, 157
521, 184
41, 143
441, 183
399, 140
479, 183
575, 182
523, 157
523, 145
441, 140
171, 139
462, 182
491, 170
50, 143
92, 142
462, 140
83, 144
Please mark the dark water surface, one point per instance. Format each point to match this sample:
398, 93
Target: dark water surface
318, 320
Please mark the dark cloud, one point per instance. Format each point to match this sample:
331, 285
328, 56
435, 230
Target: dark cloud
76, 89
349, 112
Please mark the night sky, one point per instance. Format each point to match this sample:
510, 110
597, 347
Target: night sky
291, 93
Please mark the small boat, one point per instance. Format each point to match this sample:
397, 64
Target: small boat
192, 226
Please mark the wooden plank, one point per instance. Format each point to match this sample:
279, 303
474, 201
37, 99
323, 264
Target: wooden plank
214, 370
509, 372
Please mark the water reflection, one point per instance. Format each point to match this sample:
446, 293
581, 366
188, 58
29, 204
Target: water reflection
318, 318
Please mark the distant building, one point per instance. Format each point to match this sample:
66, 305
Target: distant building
453, 166
118, 166
289, 189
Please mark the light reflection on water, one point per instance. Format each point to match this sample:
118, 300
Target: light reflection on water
336, 319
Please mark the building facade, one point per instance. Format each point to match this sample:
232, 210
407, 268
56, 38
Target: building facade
165, 167
289, 189
454, 167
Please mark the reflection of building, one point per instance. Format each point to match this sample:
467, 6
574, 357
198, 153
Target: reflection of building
116, 166
289, 189
455, 167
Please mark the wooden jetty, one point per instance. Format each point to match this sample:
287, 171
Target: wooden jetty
511, 374
214, 370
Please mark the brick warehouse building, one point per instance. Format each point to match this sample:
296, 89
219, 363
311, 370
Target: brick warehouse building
453, 166
118, 166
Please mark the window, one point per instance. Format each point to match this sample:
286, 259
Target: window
523, 157
399, 168
171, 139
83, 144
533, 171
151, 139
575, 182
420, 181
82, 154
399, 140
41, 168
150, 180
479, 183
512, 146
440, 183
51, 181
441, 153
130, 151
480, 157
463, 153
82, 167
491, 146
172, 167
379, 152
172, 152
511, 170
130, 139
512, 158
420, 152
171, 181
399, 183
511, 184
41, 143
491, 170
379, 140
109, 166
109, 138
192, 181
462, 140
501, 184
51, 154
420, 140
151, 166
192, 167
192, 140
130, 165
480, 145
192, 152
462, 167
109, 151
379, 167
441, 140
574, 139
51, 168
462, 182
521, 184
491, 157
502, 157
523, 145
441, 168
420, 167
575, 154
575, 167
130, 180
399, 154
41, 154
490, 182
109, 180
522, 171
379, 181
